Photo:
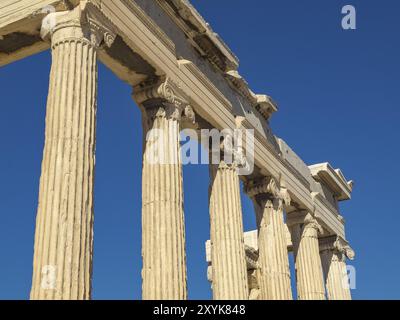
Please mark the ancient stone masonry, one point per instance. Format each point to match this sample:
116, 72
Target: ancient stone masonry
183, 76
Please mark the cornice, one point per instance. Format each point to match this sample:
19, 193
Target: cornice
266, 106
333, 179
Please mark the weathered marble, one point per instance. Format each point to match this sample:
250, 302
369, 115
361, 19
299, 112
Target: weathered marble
229, 272
177, 65
163, 227
64, 226
333, 255
273, 259
310, 282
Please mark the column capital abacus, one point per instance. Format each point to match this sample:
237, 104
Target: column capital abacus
164, 98
338, 246
84, 23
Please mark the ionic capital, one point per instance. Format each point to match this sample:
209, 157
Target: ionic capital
338, 246
84, 23
164, 98
229, 151
306, 219
268, 187
312, 223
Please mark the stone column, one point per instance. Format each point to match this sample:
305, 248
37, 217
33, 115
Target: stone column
273, 259
163, 227
63, 250
305, 229
333, 255
229, 271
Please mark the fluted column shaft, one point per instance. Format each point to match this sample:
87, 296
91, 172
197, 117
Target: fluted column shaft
227, 242
310, 283
333, 256
164, 110
163, 242
272, 243
336, 278
273, 254
63, 250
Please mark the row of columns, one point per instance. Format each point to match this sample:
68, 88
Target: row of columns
63, 250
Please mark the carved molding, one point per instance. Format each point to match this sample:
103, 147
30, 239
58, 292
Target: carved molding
95, 27
101, 29
164, 98
164, 89
267, 186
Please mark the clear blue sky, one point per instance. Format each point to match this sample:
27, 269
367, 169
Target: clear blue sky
339, 102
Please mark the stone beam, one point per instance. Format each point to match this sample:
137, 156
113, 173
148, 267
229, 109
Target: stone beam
20, 23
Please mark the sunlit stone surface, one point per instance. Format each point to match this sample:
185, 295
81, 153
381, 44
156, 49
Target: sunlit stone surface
183, 76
